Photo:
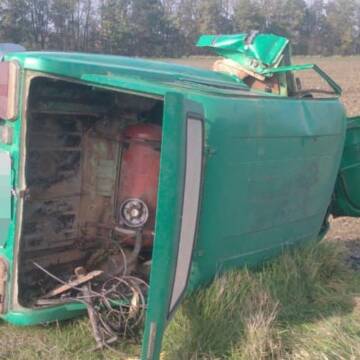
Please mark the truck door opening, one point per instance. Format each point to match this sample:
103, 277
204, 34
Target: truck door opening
91, 170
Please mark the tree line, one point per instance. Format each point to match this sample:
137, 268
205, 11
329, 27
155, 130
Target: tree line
171, 27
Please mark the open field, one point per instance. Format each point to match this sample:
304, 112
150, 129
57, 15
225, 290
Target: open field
303, 306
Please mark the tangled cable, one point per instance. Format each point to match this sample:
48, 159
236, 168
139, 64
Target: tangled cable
115, 307
121, 305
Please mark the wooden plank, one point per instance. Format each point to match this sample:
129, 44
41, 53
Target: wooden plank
74, 283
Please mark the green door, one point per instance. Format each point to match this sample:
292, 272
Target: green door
177, 215
346, 199
5, 195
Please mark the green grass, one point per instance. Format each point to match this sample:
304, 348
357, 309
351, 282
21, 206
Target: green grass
70, 340
304, 305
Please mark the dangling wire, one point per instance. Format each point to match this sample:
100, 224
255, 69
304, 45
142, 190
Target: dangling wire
118, 307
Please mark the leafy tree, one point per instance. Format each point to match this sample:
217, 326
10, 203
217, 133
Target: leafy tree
211, 17
115, 26
285, 17
293, 21
14, 23
247, 16
39, 15
187, 16
357, 28
341, 14
63, 18
317, 29
149, 27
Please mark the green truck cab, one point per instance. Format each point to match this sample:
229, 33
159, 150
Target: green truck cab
189, 172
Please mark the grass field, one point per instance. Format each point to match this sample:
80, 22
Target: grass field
301, 306
305, 305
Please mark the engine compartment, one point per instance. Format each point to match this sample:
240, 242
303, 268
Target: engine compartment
91, 170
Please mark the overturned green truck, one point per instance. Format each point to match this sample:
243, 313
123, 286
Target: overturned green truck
126, 183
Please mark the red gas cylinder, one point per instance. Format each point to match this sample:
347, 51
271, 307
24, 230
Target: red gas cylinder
139, 177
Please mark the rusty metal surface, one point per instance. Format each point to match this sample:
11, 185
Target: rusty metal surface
74, 150
54, 182
101, 161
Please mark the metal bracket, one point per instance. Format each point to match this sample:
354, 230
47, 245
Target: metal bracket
283, 69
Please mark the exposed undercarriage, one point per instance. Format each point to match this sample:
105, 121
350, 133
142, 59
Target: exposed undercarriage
92, 165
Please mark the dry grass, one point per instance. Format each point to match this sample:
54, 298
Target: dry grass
259, 340
70, 340
293, 308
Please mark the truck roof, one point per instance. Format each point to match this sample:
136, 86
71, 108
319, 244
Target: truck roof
120, 71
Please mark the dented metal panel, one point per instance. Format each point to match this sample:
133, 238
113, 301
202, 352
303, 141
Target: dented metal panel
54, 183
254, 51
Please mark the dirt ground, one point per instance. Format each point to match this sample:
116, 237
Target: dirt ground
347, 230
346, 72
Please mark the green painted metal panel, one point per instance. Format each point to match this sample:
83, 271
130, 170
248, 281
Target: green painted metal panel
28, 317
5, 195
181, 84
283, 69
266, 48
260, 53
168, 219
346, 201
270, 169
254, 52
76, 65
